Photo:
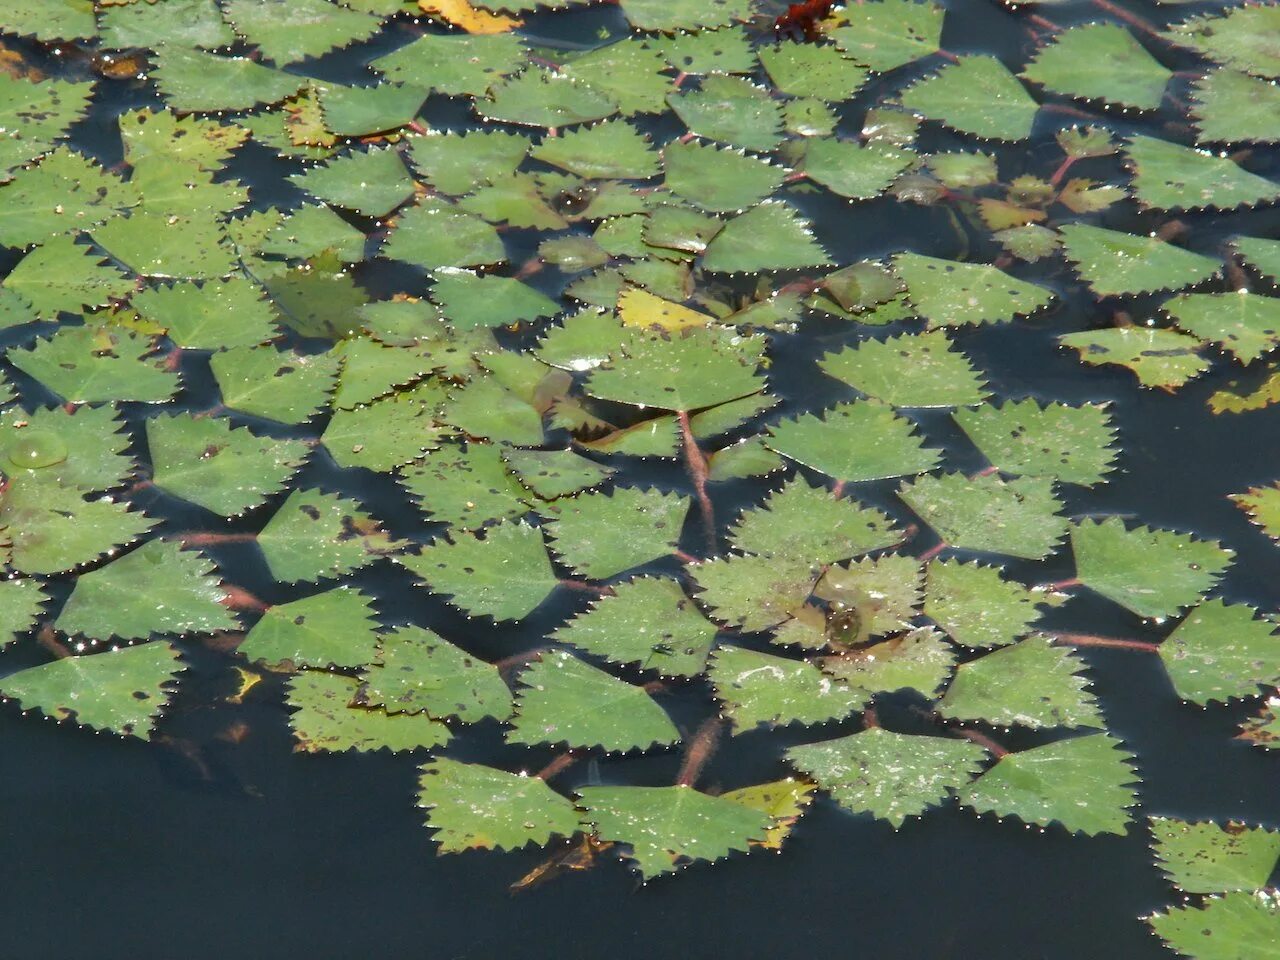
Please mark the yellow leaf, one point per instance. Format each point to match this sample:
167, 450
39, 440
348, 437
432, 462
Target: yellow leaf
462, 14
640, 308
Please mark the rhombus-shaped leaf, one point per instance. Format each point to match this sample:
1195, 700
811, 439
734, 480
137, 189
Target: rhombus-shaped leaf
769, 236
474, 807
910, 370
216, 315
886, 34
52, 528
1082, 783
158, 588
1113, 263
1071, 444
1214, 858
418, 671
976, 95
1230, 927
978, 607
1152, 572
289, 30
335, 628
64, 193
1100, 61
762, 689
563, 700
466, 487
20, 604
1169, 176
1242, 37
1158, 357
601, 535
948, 293
889, 775
647, 621
78, 447
274, 384
1233, 107
919, 659
718, 179
1262, 504
316, 535
193, 81
506, 575
854, 441
665, 827
754, 593
120, 691
65, 276
206, 461
1221, 652
1246, 325
1030, 684
97, 364
1015, 517
610, 150
326, 722
884, 592
544, 98
454, 63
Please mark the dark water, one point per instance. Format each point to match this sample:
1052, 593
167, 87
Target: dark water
200, 848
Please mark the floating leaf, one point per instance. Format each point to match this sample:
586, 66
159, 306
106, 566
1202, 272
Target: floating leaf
1100, 61
948, 293
1231, 927
762, 689
1169, 176
506, 575
881, 593
1081, 783
852, 170
1221, 652
465, 486
726, 50
35, 115
434, 233
81, 447
1240, 38
289, 30
315, 535
193, 81
1212, 858
63, 275
770, 236
542, 98
120, 691
976, 95
1263, 506
1071, 444
629, 72
64, 192
861, 440
978, 607
784, 800
216, 315
563, 700
911, 370
608, 150
471, 806
189, 23
889, 775
51, 528
1244, 324
919, 660
1152, 572
1158, 357
20, 605
454, 63
1031, 683
1118, 264
670, 15
754, 592
807, 522
330, 629
467, 301
1233, 107
809, 70
731, 110
688, 372
600, 535
555, 473
325, 722
371, 182
277, 385
889, 33
1015, 517
93, 364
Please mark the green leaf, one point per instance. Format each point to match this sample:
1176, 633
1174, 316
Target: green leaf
746, 458
646, 621
215, 315
542, 98
388, 433
770, 236
1262, 504
419, 671
719, 179
732, 110
471, 806
465, 487
315, 535
123, 690
371, 370
563, 700
1119, 264
314, 231
555, 473
889, 33
1221, 652
1031, 684
919, 660
963, 171
671, 15
1263, 255
290, 30
371, 182
948, 293
485, 408
1100, 61
1169, 176
81, 447
193, 81
1233, 107
504, 576
50, 20
726, 50
667, 827
63, 275
758, 689
809, 70
1212, 858
613, 149
274, 384
467, 300
1158, 357
984, 513
35, 115
852, 170
435, 233
1065, 443
1234, 926
454, 63
784, 800
21, 603
809, 523
629, 72
880, 593
600, 535
187, 23
53, 529
362, 111
228, 471
978, 607
861, 440
755, 592
96, 364
976, 95
330, 629
64, 192
1081, 783
325, 722
911, 370
156, 243
888, 775
1244, 324
1242, 38
1152, 572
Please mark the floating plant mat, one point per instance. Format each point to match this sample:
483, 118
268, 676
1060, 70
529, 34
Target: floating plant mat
583, 421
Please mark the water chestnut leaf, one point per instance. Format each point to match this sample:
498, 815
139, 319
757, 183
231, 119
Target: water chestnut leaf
34, 116
215, 315
78, 447
978, 607
1100, 61
1169, 176
1221, 652
784, 800
1231, 927
64, 276
96, 364
762, 689
21, 603
1244, 324
468, 300
458, 163
1262, 504
753, 592
122, 691
883, 594
975, 95
891, 776
1023, 438
1158, 357
562, 700
920, 660
1213, 858
474, 807
984, 513
948, 293
1233, 107
911, 370
325, 722
732, 110
602, 534
1118, 264
188, 23
671, 15
55, 20
316, 535
435, 233
288, 30
50, 528
63, 192
371, 182
770, 236
454, 64
274, 384
466, 487
809, 70
885, 34
542, 98
1241, 38
852, 170
613, 149
334, 628
861, 440
744, 459
193, 81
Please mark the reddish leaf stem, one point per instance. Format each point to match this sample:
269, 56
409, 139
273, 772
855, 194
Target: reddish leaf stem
519, 659
982, 740
207, 538
1132, 19
237, 599
1113, 643
698, 472
557, 766
700, 750
933, 551
585, 587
